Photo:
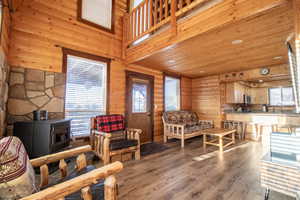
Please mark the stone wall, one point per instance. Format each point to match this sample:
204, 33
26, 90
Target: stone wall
4, 74
31, 90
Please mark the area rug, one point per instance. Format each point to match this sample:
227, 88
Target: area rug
215, 153
152, 148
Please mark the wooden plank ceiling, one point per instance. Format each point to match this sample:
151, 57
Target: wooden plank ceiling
212, 53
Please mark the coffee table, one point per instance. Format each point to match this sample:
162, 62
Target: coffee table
219, 135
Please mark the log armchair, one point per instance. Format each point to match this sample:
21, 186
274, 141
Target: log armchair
86, 182
183, 125
109, 137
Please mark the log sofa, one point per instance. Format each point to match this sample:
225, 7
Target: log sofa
17, 180
183, 125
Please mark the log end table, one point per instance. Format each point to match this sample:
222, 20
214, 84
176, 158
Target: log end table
219, 135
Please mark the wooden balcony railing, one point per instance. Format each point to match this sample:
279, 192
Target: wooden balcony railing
150, 15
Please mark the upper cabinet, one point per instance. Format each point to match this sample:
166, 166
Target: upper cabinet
235, 92
259, 96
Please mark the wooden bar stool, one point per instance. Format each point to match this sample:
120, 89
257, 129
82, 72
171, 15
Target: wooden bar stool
237, 125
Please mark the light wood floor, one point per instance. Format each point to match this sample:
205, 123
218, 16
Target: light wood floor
173, 175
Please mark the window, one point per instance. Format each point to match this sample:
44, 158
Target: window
86, 91
139, 98
97, 13
281, 96
172, 93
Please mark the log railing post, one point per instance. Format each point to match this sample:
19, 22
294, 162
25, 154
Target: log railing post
173, 17
126, 34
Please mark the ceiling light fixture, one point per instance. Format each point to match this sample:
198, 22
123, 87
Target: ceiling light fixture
201, 71
277, 58
237, 42
171, 61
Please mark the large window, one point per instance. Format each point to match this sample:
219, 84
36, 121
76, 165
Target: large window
172, 93
86, 92
281, 96
98, 13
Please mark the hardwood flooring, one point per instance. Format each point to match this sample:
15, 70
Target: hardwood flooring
174, 175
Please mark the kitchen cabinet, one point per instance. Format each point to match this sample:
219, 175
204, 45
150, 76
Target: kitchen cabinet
235, 92
259, 95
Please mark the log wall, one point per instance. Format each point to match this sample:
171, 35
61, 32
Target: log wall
206, 98
39, 26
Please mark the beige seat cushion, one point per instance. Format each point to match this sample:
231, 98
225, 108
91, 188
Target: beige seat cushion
17, 178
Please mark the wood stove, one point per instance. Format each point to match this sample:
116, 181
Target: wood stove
43, 137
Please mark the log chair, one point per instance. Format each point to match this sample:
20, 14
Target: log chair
102, 142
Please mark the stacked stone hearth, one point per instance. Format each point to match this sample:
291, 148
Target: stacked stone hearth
4, 74
31, 90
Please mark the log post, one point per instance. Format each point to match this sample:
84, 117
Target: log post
44, 175
110, 188
173, 17
63, 168
106, 156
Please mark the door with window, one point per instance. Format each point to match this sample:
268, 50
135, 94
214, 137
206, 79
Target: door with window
86, 89
139, 104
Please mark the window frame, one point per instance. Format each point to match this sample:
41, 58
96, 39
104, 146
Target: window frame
165, 74
87, 22
72, 52
282, 105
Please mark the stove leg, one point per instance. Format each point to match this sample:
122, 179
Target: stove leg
267, 192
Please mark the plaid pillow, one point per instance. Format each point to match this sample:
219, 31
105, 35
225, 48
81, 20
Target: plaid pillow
110, 123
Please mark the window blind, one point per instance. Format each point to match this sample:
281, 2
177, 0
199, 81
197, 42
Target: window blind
98, 12
85, 93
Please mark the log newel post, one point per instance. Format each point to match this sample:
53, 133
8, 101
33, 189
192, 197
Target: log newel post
173, 17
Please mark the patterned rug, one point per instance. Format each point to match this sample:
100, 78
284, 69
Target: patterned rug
215, 153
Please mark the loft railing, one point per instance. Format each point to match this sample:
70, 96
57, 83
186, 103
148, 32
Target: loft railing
150, 15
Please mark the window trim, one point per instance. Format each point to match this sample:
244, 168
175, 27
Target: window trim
167, 74
84, 21
72, 52
269, 89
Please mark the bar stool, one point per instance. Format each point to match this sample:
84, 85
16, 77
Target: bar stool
290, 127
237, 125
259, 126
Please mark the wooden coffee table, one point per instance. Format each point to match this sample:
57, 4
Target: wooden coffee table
219, 135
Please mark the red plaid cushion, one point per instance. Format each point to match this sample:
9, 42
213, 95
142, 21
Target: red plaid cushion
110, 123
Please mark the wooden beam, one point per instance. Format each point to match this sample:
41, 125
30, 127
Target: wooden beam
219, 14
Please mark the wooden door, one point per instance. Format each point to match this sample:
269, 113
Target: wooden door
139, 103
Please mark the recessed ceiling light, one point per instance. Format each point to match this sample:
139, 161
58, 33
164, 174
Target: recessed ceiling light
261, 81
277, 58
237, 42
201, 71
171, 61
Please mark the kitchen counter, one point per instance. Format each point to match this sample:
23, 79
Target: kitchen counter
281, 119
283, 113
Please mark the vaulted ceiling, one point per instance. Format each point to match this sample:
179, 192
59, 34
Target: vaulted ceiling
263, 44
